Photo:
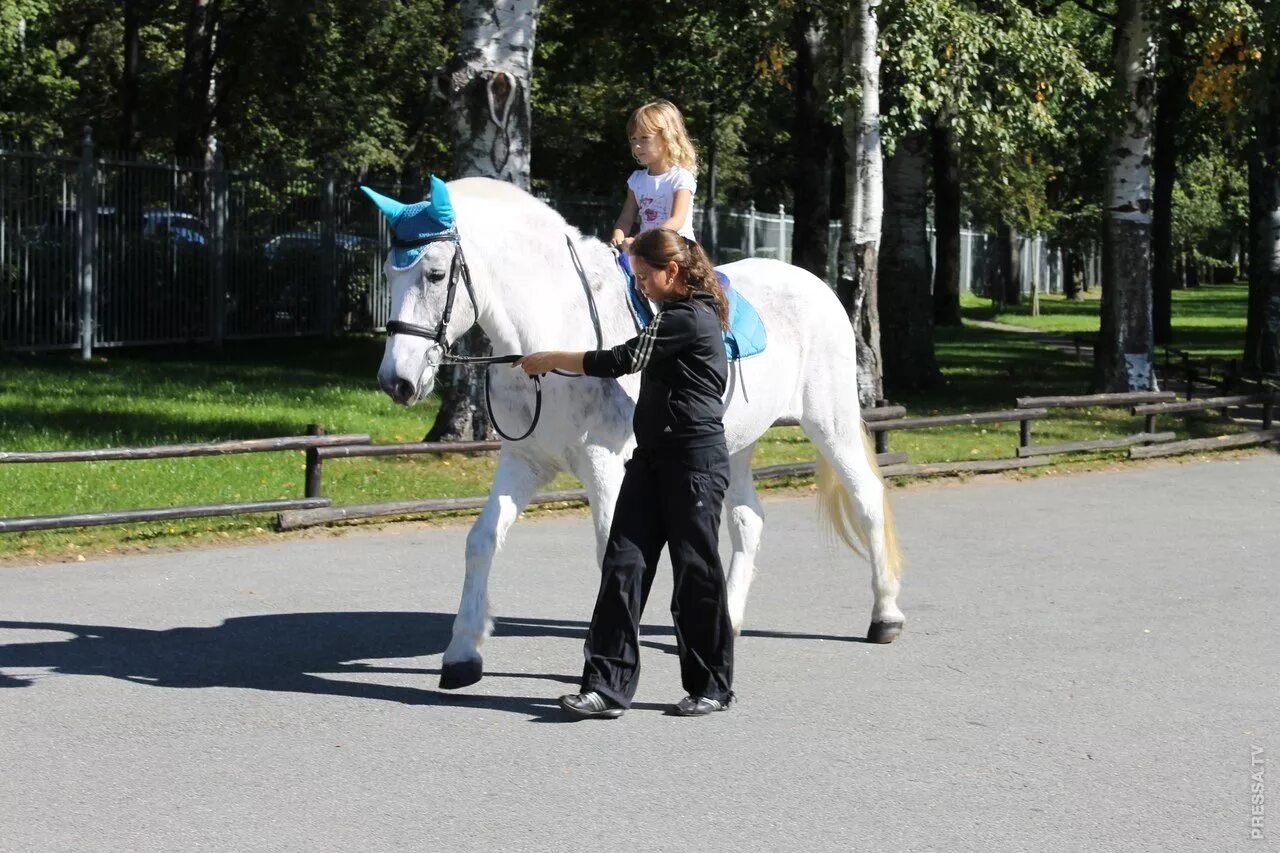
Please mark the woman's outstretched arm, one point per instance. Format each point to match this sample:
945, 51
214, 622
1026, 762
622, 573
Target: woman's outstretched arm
538, 363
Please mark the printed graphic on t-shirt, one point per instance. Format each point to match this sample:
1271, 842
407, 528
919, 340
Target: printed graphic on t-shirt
652, 212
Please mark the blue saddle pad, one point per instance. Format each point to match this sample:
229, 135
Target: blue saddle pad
746, 334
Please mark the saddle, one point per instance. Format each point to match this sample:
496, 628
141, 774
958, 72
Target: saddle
745, 336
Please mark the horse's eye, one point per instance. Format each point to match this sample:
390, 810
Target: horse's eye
435, 276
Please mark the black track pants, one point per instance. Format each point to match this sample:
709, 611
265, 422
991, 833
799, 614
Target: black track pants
674, 499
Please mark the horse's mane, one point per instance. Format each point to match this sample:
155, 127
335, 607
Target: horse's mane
506, 199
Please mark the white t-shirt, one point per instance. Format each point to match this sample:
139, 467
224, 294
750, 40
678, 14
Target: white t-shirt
656, 196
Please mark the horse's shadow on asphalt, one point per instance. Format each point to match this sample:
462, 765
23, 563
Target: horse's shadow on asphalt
293, 652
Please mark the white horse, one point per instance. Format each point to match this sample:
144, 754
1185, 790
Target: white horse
529, 294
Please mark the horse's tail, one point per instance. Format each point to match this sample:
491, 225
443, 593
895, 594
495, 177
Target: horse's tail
835, 505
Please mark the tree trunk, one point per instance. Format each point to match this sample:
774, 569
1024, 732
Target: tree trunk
130, 79
1002, 275
946, 223
487, 82
1123, 357
1013, 267
811, 178
1262, 330
1070, 284
864, 197
1191, 266
710, 219
1171, 99
906, 304
193, 136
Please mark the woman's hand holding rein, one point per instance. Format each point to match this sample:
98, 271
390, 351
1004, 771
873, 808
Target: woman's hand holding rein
539, 363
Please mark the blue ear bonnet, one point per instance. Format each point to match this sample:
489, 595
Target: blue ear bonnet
415, 221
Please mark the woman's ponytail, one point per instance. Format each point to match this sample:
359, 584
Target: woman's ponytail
660, 246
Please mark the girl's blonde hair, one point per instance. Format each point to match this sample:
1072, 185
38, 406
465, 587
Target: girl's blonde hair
657, 247
663, 119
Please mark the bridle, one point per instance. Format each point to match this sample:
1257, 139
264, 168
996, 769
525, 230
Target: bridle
458, 269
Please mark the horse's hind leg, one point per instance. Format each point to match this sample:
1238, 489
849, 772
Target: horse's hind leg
514, 483
746, 523
852, 460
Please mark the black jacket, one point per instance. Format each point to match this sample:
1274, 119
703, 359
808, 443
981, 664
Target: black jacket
683, 372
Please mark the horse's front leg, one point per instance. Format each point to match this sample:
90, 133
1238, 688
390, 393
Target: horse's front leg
514, 483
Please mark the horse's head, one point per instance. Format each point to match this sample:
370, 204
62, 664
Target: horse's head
424, 270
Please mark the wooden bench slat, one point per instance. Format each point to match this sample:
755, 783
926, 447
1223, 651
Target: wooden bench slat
1084, 401
97, 519
169, 451
949, 420
1095, 444
411, 448
312, 517
977, 466
883, 413
1205, 403
1222, 442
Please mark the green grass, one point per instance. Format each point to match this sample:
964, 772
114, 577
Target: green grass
255, 390
1208, 321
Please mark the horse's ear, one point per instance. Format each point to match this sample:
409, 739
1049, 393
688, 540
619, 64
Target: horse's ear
389, 206
441, 204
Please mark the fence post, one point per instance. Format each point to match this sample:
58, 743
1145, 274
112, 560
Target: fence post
88, 243
751, 230
217, 250
328, 251
782, 233
1267, 409
882, 436
314, 471
1024, 433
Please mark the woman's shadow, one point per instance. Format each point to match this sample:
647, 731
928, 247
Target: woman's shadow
288, 652
293, 652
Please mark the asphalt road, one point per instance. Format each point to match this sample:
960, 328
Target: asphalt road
1088, 664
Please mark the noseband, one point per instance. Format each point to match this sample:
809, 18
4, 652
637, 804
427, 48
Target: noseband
458, 269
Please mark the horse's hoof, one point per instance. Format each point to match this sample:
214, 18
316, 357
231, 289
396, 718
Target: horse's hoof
883, 632
464, 673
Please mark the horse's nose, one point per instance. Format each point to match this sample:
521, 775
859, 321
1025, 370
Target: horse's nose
402, 391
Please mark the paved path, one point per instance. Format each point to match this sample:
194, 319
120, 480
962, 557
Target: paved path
1088, 661
1077, 346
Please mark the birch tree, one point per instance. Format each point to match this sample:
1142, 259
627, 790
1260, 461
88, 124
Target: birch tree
487, 82
864, 204
1123, 357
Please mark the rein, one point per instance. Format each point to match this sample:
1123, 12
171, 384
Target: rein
458, 269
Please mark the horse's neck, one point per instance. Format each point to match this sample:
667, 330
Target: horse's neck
535, 297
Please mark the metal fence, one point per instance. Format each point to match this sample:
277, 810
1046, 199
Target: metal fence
754, 233
188, 251
101, 251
